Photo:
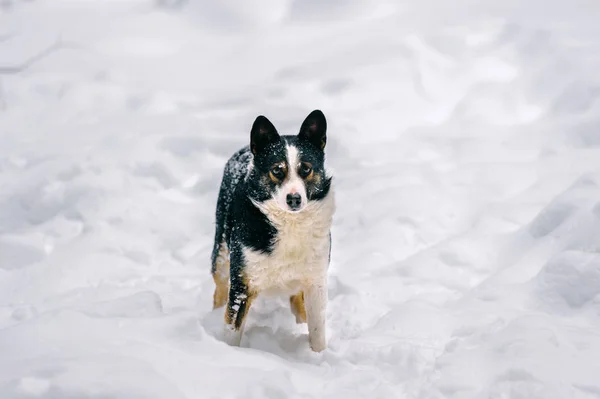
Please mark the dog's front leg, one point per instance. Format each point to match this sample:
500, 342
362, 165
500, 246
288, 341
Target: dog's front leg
238, 304
316, 312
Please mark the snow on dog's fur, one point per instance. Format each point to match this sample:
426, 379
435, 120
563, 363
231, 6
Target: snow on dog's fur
274, 215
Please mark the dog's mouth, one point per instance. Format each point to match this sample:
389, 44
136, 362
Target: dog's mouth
294, 210
275, 206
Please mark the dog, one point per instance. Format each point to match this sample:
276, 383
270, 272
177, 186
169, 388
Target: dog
273, 227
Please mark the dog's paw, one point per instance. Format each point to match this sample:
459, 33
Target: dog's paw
317, 344
231, 336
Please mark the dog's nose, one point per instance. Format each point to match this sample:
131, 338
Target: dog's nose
293, 201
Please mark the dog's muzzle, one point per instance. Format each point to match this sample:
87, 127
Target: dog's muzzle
293, 201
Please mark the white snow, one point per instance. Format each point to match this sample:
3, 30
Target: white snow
465, 141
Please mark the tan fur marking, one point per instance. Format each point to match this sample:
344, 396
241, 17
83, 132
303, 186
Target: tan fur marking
314, 178
312, 171
297, 306
221, 277
273, 178
221, 292
284, 168
267, 178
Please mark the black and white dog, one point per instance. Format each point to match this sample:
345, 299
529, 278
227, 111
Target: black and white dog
273, 221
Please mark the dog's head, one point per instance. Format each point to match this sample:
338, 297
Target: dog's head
289, 169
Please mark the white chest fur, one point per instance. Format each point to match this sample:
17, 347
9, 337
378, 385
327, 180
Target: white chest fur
300, 252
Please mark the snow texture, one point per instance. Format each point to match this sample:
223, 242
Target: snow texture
464, 140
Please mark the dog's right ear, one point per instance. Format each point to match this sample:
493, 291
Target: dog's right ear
262, 134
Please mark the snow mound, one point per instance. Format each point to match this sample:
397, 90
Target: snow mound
570, 281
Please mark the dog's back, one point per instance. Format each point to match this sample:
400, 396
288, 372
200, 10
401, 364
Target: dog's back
235, 171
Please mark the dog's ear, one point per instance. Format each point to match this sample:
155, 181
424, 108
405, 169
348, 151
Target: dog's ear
314, 129
262, 134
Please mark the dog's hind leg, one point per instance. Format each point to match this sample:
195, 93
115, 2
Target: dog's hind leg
220, 273
297, 306
220, 254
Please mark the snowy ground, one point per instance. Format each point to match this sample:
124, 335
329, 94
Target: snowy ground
465, 141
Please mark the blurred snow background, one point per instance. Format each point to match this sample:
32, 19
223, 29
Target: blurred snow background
465, 141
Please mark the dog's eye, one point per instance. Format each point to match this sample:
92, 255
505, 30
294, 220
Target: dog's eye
305, 169
278, 172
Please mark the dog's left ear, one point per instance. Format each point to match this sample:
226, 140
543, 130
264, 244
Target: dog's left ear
314, 129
